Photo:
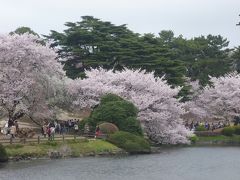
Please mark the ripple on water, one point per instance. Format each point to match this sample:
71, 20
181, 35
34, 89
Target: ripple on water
198, 163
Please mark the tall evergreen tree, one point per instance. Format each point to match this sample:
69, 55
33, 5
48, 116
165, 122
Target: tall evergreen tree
22, 30
93, 43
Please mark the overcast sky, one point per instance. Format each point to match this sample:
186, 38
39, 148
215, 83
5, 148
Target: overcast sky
187, 17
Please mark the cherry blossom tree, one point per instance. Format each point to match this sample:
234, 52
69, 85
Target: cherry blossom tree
218, 100
159, 112
29, 75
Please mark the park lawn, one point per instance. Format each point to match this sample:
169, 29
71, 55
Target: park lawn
97, 146
77, 148
26, 150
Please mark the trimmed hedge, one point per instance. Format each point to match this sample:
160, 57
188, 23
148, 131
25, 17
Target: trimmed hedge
228, 131
114, 109
108, 128
132, 125
237, 130
208, 133
129, 142
193, 139
3, 154
110, 98
201, 128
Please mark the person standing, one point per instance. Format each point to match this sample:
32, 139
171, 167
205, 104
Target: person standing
17, 127
13, 131
44, 130
76, 128
97, 132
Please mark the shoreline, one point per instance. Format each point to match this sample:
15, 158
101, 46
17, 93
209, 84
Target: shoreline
100, 148
59, 150
29, 158
157, 150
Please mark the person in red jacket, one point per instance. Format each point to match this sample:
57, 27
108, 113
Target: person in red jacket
97, 132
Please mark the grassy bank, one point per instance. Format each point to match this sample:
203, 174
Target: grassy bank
69, 148
218, 140
84, 147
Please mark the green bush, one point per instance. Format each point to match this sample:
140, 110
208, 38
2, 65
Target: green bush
200, 128
193, 139
237, 130
108, 128
110, 98
82, 123
228, 131
129, 142
3, 154
132, 125
114, 109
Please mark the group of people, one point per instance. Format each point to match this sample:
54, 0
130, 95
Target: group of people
11, 128
71, 125
49, 129
60, 127
214, 125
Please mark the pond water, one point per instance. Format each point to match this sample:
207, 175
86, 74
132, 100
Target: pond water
192, 163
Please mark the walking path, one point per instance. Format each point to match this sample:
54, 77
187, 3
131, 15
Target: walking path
6, 139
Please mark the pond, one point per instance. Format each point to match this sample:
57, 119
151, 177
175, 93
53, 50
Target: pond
191, 163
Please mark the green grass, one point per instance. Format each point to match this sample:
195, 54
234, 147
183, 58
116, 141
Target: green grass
78, 148
97, 146
221, 137
26, 150
234, 138
130, 142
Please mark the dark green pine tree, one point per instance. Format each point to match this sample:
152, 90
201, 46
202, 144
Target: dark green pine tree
236, 59
22, 30
204, 56
93, 43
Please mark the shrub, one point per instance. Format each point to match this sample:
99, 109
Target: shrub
110, 98
3, 154
89, 123
132, 125
114, 109
193, 139
237, 130
82, 123
108, 128
228, 131
200, 128
130, 142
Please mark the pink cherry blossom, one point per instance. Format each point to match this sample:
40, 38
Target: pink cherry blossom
159, 111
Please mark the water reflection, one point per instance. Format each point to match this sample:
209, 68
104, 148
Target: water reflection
172, 164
